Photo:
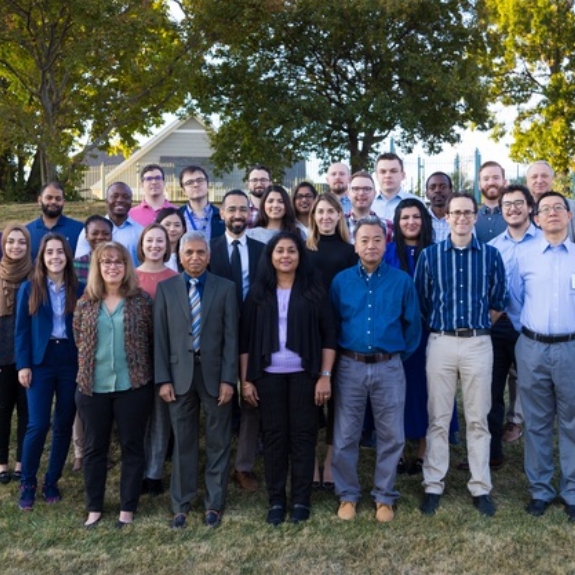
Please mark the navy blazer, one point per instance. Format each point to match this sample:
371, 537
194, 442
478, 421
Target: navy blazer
32, 332
217, 225
220, 260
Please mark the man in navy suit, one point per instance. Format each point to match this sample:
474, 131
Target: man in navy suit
235, 257
199, 214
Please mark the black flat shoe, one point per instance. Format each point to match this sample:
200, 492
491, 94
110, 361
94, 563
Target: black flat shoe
94, 524
5, 477
276, 515
121, 524
328, 485
316, 485
16, 475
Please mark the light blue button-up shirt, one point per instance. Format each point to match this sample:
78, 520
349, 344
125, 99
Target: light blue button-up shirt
542, 287
58, 303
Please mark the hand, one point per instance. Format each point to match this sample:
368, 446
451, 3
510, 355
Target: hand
167, 392
226, 394
25, 377
250, 393
322, 390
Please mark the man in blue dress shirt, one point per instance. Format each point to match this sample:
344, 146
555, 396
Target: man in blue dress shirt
461, 285
379, 324
542, 289
51, 201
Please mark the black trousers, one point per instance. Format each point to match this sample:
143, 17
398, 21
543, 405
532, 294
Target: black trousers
288, 417
130, 411
12, 395
503, 337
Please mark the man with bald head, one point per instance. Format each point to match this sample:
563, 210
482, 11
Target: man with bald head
338, 176
125, 230
540, 176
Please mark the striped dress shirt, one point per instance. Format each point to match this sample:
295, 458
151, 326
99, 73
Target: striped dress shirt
458, 287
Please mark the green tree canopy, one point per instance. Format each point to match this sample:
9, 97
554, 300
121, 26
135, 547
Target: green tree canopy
286, 78
77, 76
531, 46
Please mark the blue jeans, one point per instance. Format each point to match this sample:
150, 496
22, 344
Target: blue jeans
384, 384
55, 376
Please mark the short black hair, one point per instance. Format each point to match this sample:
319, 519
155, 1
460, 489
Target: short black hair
97, 218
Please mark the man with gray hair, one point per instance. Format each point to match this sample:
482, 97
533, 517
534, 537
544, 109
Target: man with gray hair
379, 325
540, 177
196, 364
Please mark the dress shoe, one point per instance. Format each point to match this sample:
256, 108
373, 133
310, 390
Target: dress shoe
401, 467
246, 480
276, 515
78, 462
17, 475
300, 512
178, 522
570, 510
416, 468
484, 504
512, 432
494, 464
537, 507
94, 523
383, 513
51, 494
328, 486
27, 497
5, 477
430, 503
213, 518
346, 510
121, 524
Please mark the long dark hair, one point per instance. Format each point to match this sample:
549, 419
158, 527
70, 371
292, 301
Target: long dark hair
288, 220
39, 286
425, 236
307, 277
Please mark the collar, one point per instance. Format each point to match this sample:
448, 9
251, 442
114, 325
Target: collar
243, 239
201, 279
53, 288
473, 245
487, 210
531, 232
566, 245
377, 271
400, 194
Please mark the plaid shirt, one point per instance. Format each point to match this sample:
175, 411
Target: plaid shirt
254, 213
81, 267
352, 226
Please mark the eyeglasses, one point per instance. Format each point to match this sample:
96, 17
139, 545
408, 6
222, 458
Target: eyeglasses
259, 180
195, 181
112, 263
467, 214
359, 189
152, 179
304, 197
516, 204
557, 208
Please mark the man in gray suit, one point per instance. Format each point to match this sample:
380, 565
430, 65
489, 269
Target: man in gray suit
196, 363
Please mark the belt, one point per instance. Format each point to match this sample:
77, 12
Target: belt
463, 332
547, 338
363, 358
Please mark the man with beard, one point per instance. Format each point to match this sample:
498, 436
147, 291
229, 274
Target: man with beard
259, 178
51, 201
125, 230
438, 188
235, 257
490, 222
338, 176
540, 176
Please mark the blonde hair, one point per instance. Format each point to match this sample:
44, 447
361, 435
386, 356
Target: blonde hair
96, 287
341, 228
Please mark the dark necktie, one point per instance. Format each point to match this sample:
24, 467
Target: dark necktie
237, 276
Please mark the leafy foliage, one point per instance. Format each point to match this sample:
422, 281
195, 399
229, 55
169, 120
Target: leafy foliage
76, 76
334, 78
531, 44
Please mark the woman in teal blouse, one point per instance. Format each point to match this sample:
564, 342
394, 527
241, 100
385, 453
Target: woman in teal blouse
113, 330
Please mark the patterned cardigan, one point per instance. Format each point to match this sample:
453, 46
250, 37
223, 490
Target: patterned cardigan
138, 339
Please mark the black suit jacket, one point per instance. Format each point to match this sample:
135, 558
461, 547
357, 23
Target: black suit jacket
220, 260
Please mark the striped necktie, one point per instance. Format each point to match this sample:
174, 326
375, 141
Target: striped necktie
195, 312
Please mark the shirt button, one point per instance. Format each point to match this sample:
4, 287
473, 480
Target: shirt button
368, 332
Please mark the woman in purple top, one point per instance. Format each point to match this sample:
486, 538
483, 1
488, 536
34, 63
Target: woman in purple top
287, 351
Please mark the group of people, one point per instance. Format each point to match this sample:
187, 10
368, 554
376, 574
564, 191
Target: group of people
315, 309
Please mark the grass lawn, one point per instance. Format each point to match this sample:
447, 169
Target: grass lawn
51, 539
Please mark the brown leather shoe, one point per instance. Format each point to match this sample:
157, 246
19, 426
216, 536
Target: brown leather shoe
246, 480
512, 432
383, 513
346, 510
77, 464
